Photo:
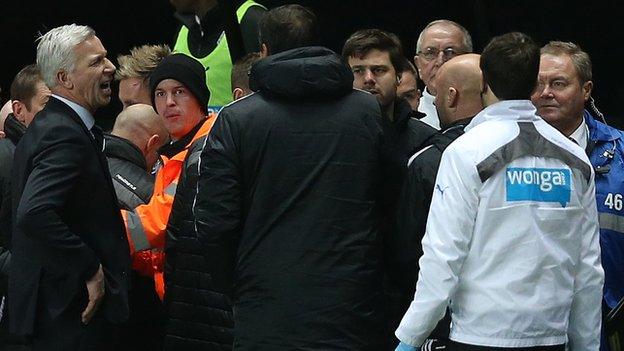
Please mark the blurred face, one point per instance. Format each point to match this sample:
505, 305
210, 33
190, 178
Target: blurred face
134, 91
89, 83
559, 96
440, 43
178, 108
374, 73
407, 90
37, 103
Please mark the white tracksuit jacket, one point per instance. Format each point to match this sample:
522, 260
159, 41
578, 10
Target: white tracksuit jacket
512, 238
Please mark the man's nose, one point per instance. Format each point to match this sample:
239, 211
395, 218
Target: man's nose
545, 92
170, 101
110, 67
369, 76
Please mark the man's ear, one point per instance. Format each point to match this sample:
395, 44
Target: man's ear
237, 93
587, 89
264, 50
63, 79
18, 110
452, 97
153, 142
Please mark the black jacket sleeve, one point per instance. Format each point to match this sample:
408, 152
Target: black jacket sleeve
218, 202
412, 212
56, 168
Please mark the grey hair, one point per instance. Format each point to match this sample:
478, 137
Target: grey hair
55, 51
580, 59
467, 38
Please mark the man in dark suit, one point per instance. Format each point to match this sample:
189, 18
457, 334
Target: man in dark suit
68, 278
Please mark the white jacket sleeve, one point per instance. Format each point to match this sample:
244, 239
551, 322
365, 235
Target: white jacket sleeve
445, 245
585, 312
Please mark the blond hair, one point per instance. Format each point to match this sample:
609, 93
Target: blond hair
141, 61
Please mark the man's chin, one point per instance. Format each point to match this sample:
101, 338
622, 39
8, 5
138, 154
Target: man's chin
549, 116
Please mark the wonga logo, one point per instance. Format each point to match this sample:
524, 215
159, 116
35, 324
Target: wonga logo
539, 184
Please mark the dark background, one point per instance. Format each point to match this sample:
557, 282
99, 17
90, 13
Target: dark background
123, 24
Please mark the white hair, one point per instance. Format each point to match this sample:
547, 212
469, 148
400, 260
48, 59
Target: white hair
55, 51
466, 36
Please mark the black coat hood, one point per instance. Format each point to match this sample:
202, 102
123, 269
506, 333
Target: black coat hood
304, 73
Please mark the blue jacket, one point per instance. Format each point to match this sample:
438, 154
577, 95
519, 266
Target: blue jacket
610, 199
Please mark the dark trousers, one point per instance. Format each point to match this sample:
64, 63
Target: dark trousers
66, 332
145, 329
456, 346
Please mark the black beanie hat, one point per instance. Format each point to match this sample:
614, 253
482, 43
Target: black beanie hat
185, 70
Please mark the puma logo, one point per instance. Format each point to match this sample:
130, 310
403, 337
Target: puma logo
441, 189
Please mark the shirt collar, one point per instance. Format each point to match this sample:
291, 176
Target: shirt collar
580, 135
83, 113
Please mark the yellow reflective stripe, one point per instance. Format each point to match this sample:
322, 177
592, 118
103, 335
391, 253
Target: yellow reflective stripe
171, 189
611, 221
137, 232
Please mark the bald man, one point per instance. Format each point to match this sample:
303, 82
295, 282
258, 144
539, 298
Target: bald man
131, 150
457, 86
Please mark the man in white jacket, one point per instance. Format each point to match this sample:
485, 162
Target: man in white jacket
511, 243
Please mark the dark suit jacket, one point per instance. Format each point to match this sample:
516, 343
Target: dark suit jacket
66, 221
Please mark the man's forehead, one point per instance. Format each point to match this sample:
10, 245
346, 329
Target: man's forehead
373, 56
556, 64
443, 34
92, 46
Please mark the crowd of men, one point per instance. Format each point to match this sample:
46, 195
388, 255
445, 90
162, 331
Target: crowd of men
301, 199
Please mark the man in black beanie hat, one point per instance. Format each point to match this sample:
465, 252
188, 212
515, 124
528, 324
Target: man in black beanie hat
179, 95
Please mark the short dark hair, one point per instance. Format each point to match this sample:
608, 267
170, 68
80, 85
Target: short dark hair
288, 27
240, 70
510, 63
365, 40
24, 86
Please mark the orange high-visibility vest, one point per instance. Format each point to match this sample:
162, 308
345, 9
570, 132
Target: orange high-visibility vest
146, 225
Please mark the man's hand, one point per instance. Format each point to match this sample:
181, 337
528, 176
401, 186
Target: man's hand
95, 288
2, 135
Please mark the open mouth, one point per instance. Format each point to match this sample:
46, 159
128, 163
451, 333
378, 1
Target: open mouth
106, 86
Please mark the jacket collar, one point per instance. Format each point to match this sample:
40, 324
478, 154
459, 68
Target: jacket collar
124, 149
85, 116
506, 110
403, 112
599, 131
177, 150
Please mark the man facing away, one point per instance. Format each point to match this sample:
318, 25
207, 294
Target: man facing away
69, 271
285, 206
458, 99
519, 259
564, 86
132, 151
